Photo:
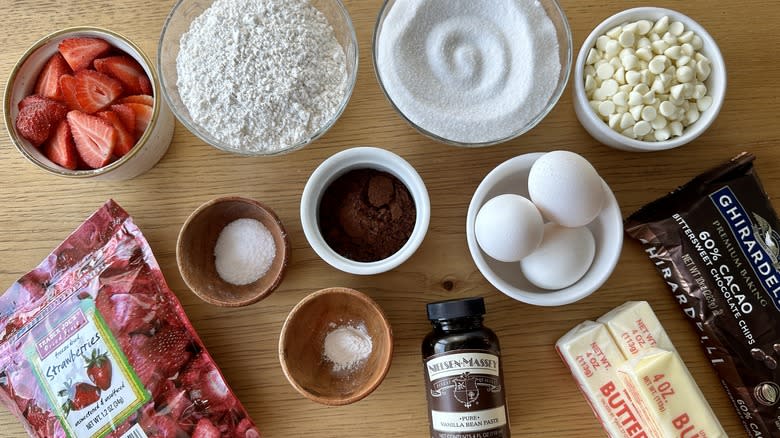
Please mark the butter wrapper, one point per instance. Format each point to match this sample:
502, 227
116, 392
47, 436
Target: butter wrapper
593, 359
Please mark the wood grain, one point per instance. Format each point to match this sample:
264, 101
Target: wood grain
37, 211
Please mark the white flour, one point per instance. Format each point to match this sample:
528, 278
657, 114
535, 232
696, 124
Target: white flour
347, 347
261, 75
468, 71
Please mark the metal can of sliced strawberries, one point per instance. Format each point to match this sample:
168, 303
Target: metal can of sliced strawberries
86, 102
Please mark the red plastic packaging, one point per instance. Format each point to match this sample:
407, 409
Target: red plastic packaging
93, 343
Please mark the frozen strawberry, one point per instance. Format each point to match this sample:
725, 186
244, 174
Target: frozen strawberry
94, 91
33, 98
48, 84
81, 51
126, 115
143, 115
60, 149
99, 370
138, 98
38, 119
246, 429
94, 138
124, 139
206, 386
127, 71
206, 429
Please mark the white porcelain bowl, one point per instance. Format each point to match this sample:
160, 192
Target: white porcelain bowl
511, 176
149, 149
363, 158
716, 84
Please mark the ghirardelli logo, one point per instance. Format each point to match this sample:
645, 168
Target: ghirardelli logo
768, 238
465, 387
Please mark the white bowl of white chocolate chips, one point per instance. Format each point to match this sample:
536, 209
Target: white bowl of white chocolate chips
648, 79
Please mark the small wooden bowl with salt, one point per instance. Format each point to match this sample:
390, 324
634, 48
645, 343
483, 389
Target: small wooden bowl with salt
336, 346
232, 251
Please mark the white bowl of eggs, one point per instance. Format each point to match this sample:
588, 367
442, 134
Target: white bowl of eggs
544, 228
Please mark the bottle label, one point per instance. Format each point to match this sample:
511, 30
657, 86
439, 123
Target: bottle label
466, 395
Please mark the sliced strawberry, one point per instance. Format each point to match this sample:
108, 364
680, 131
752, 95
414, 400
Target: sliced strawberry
81, 51
124, 139
127, 71
126, 115
38, 119
143, 115
68, 85
138, 98
95, 91
60, 148
48, 84
94, 137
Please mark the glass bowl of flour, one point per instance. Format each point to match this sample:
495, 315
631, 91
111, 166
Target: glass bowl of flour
258, 77
470, 75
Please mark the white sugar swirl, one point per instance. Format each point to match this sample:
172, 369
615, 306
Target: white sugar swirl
466, 71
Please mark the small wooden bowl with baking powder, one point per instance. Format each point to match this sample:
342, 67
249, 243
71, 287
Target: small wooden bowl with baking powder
195, 251
302, 346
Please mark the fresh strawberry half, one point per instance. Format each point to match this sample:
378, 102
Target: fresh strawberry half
126, 115
38, 119
94, 138
68, 86
124, 139
138, 98
127, 71
31, 99
143, 115
81, 51
48, 84
94, 91
60, 148
99, 369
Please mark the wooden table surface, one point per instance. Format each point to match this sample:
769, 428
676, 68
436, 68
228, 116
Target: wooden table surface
38, 210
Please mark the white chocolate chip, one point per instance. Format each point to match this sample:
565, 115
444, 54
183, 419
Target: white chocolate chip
697, 42
609, 87
645, 54
683, 60
614, 32
686, 37
667, 109
676, 28
704, 103
606, 108
642, 128
612, 48
634, 98
648, 98
673, 52
659, 122
626, 38
601, 42
676, 129
593, 57
669, 39
685, 74
643, 27
627, 121
614, 121
657, 65
630, 27
620, 76
605, 71
590, 83
633, 77
630, 62
643, 42
676, 91
636, 112
688, 49
662, 134
700, 91
620, 99
629, 132
659, 47
661, 25
692, 115
648, 113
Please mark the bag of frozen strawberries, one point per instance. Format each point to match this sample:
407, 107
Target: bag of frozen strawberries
93, 343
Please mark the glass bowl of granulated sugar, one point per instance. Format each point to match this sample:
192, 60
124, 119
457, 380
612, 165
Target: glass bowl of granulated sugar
258, 77
469, 75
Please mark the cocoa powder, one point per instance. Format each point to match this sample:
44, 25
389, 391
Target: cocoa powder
366, 215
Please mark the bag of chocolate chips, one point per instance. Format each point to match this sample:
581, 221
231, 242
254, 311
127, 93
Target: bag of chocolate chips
715, 242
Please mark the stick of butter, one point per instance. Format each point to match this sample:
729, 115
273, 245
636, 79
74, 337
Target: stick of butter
593, 359
659, 384
636, 328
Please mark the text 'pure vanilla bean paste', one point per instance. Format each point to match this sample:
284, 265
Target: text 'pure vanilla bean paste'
715, 243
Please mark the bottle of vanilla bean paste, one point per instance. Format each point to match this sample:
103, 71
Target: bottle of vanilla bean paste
463, 375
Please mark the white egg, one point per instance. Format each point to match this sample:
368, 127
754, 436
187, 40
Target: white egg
566, 188
508, 227
563, 257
